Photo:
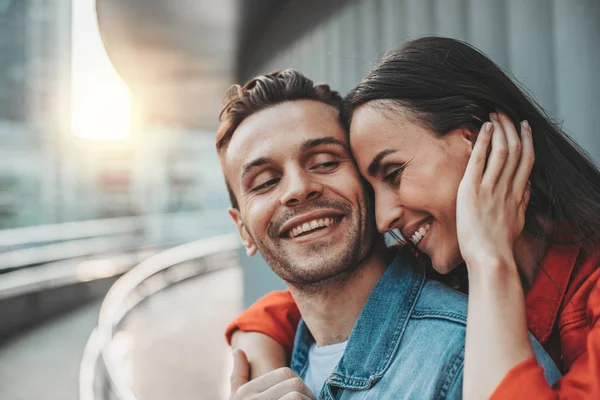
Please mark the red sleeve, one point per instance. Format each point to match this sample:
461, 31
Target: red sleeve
526, 380
274, 315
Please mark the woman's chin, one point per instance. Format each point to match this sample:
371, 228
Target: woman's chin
445, 266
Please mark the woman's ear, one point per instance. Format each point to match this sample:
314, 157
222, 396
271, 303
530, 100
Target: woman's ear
463, 137
469, 135
247, 240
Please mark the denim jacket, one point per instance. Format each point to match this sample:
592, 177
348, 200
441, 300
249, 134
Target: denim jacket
408, 343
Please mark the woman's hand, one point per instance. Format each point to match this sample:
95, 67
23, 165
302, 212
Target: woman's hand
263, 353
492, 198
280, 384
490, 214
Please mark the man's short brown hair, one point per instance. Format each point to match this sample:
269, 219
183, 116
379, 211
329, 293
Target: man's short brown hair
263, 92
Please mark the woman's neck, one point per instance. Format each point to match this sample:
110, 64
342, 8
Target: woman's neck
529, 252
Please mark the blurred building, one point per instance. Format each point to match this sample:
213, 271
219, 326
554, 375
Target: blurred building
34, 83
48, 174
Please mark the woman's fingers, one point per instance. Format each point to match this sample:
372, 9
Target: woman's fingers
526, 162
241, 370
290, 386
514, 152
498, 156
476, 164
296, 396
264, 383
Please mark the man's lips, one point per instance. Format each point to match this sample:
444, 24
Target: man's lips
307, 218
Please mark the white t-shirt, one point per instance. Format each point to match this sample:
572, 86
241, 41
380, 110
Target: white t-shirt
321, 362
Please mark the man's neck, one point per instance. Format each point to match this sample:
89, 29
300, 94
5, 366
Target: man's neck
331, 312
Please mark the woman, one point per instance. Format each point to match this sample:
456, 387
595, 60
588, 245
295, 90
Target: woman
530, 246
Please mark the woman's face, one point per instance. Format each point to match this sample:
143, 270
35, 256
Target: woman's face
415, 176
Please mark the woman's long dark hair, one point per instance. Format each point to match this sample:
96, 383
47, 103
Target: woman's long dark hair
445, 84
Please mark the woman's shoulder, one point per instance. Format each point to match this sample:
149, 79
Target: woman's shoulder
585, 276
581, 311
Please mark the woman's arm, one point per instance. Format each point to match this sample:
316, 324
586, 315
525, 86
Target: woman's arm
266, 331
491, 203
582, 381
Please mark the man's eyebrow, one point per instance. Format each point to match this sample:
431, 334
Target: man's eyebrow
312, 143
376, 163
253, 164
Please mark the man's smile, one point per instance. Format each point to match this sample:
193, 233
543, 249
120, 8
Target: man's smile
310, 223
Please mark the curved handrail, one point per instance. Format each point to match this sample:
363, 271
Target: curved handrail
69, 231
118, 303
87, 229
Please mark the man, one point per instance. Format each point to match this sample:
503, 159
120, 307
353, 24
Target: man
372, 325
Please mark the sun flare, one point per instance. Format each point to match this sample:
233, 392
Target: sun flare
101, 102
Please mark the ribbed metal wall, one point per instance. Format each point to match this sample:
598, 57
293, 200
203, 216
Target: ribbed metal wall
551, 46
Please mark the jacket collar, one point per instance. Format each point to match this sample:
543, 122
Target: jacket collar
377, 333
547, 293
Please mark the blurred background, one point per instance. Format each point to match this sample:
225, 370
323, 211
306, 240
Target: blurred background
108, 111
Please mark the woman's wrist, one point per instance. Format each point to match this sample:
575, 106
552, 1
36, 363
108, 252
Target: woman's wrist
491, 268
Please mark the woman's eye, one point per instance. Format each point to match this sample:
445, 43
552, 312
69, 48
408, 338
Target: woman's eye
266, 185
393, 178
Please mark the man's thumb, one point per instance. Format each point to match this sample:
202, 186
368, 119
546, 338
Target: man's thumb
241, 370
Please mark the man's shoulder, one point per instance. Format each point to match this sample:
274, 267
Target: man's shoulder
437, 300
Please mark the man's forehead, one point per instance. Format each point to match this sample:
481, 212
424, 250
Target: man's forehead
284, 127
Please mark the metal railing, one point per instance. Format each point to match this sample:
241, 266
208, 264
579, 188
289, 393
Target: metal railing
69, 231
99, 372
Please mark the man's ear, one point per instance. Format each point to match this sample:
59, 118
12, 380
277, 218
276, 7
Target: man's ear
247, 240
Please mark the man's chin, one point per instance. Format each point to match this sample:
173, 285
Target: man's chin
315, 269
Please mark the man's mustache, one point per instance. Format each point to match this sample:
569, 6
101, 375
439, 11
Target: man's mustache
338, 205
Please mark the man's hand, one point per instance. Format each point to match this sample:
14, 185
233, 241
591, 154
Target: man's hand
281, 384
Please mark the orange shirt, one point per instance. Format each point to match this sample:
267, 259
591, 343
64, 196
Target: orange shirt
563, 312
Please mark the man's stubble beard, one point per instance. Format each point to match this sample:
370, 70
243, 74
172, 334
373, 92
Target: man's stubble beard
332, 270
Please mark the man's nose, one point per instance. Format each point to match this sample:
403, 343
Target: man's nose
301, 187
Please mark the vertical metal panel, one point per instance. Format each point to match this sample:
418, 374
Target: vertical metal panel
577, 58
419, 18
393, 28
348, 71
334, 61
451, 18
487, 28
319, 55
531, 48
367, 36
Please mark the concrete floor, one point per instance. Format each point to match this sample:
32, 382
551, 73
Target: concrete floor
171, 347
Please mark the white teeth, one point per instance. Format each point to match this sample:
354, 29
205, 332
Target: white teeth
420, 234
310, 225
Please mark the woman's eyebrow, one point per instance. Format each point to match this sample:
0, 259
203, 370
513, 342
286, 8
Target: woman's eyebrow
375, 165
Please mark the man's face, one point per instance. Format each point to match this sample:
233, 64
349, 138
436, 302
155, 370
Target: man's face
302, 203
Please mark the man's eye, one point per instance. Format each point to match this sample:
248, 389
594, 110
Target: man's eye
327, 165
266, 185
